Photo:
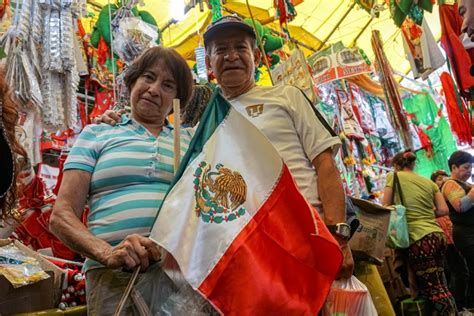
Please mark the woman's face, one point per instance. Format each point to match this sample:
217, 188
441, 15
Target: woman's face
152, 94
463, 172
440, 180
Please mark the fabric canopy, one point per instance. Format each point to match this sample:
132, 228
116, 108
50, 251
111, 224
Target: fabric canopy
318, 23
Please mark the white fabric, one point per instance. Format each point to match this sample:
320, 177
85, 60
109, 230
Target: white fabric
290, 123
177, 222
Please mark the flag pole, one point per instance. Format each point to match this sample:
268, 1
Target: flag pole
177, 157
177, 134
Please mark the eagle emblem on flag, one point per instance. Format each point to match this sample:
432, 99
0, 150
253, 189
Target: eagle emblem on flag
219, 194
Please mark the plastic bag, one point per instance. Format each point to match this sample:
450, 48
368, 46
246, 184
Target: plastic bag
397, 237
18, 268
349, 297
132, 37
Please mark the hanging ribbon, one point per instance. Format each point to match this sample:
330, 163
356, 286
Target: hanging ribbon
285, 13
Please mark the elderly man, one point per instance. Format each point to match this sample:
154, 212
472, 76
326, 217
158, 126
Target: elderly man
286, 117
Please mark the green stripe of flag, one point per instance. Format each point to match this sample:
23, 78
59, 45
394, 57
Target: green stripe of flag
216, 111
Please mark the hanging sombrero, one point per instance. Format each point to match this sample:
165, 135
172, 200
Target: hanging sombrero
7, 164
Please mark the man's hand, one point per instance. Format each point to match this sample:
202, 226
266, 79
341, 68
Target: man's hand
133, 251
466, 10
109, 117
347, 267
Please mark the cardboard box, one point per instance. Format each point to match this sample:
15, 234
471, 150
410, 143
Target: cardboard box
368, 243
42, 295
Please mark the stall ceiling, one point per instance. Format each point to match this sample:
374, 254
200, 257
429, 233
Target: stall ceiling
313, 27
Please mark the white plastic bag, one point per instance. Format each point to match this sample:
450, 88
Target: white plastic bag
349, 297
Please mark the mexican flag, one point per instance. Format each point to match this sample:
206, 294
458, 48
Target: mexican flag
240, 231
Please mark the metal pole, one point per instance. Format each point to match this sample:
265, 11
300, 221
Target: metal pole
275, 32
336, 26
354, 41
260, 44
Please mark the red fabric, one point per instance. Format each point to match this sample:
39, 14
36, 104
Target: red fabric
102, 51
103, 101
447, 227
264, 272
82, 113
459, 120
61, 161
32, 194
461, 60
280, 6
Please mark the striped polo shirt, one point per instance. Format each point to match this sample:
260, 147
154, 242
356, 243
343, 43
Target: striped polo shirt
131, 173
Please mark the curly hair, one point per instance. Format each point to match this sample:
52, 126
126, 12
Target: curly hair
404, 159
9, 120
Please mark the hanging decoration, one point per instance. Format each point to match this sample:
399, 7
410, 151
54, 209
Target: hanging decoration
428, 117
459, 58
285, 13
201, 64
337, 62
401, 9
294, 71
458, 113
270, 43
4, 6
421, 48
392, 94
216, 9
41, 63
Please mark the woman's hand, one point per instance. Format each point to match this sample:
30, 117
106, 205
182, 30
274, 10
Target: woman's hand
109, 117
133, 251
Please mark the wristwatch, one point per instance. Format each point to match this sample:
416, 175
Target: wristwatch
341, 230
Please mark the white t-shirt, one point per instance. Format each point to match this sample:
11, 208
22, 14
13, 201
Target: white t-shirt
287, 118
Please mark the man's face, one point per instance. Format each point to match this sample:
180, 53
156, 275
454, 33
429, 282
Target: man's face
233, 59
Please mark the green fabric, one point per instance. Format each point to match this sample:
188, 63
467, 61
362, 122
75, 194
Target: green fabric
425, 110
418, 194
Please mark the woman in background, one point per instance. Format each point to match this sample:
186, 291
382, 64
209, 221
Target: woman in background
455, 268
427, 241
459, 195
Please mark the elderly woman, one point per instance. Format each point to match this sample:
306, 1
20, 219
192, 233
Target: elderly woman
427, 242
123, 172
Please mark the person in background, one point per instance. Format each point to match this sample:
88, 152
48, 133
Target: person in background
125, 171
439, 177
466, 11
455, 268
12, 155
460, 198
427, 240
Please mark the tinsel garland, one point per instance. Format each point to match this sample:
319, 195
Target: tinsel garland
41, 64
